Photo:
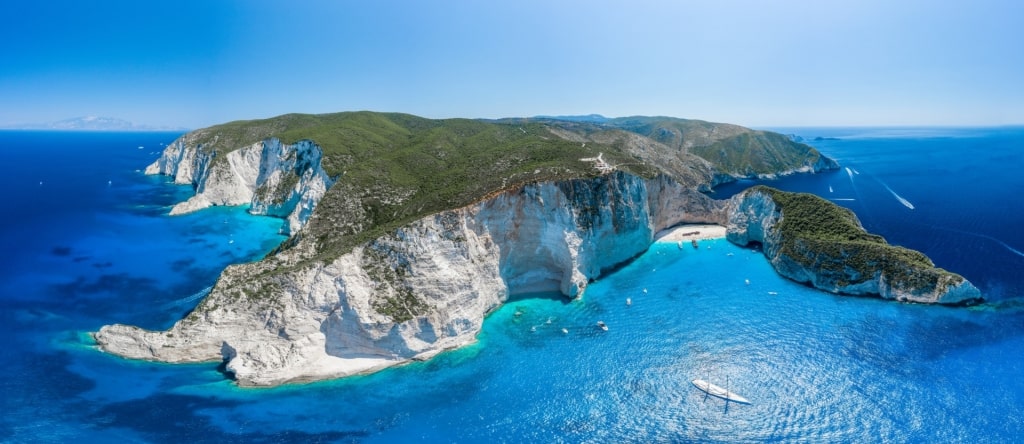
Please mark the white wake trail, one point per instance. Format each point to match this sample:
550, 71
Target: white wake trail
903, 201
187, 300
983, 236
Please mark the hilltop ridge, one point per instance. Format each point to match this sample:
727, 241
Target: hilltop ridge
393, 168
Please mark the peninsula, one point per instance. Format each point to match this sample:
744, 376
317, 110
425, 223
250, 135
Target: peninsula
405, 232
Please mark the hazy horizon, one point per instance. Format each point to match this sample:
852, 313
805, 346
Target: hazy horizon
786, 64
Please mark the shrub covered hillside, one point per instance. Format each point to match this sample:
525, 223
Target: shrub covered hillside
821, 235
734, 150
391, 169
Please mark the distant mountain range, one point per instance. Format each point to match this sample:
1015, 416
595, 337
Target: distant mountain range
589, 118
91, 123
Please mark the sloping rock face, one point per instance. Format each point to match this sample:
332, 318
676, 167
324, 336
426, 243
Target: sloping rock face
275, 179
419, 290
851, 267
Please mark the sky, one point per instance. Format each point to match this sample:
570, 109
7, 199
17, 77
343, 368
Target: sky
756, 63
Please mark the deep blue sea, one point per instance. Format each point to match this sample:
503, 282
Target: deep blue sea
88, 243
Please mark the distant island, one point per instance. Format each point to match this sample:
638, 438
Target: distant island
90, 123
405, 232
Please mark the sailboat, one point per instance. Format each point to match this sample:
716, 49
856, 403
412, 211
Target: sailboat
719, 392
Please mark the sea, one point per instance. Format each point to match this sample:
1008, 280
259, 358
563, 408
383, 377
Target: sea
87, 241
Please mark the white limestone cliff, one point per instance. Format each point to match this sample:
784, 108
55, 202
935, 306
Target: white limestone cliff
422, 289
273, 178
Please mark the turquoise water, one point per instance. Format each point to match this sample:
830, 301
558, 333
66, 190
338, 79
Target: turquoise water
816, 367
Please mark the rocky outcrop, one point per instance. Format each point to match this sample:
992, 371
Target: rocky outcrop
184, 159
275, 179
812, 165
421, 289
833, 253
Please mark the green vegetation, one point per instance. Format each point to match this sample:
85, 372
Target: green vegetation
732, 149
823, 236
391, 169
396, 300
755, 153
679, 134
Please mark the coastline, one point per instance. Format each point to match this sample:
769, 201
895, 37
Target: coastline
690, 232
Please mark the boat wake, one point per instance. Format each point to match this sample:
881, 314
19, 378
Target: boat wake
983, 236
843, 198
190, 299
903, 201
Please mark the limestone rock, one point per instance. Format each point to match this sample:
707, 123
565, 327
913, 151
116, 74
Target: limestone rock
275, 179
419, 290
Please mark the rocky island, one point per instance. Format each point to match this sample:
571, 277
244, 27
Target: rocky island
405, 232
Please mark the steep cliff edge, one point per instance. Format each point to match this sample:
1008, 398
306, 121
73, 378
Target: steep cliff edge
406, 232
275, 179
813, 241
421, 289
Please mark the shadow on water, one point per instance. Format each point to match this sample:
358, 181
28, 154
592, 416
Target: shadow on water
544, 295
176, 418
910, 348
935, 338
38, 385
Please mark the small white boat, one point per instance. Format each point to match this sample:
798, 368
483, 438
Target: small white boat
718, 392
602, 325
629, 301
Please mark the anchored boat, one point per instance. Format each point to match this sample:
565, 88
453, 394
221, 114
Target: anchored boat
719, 392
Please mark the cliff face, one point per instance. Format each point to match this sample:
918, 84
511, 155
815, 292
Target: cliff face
387, 271
276, 179
421, 289
837, 255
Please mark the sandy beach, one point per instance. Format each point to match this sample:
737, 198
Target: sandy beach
690, 232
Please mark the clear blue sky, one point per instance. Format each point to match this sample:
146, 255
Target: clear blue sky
755, 63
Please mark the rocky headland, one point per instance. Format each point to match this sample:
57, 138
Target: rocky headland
812, 241
406, 232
